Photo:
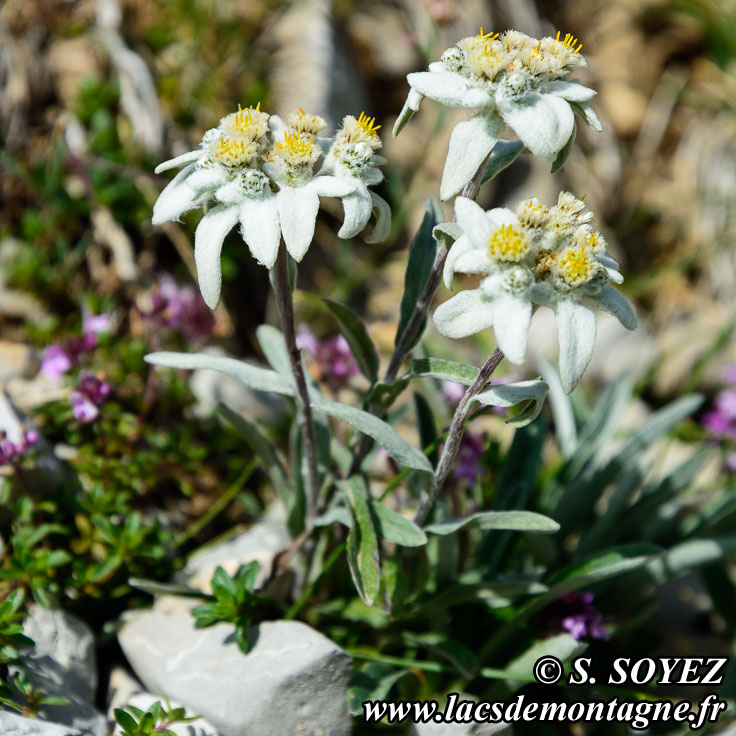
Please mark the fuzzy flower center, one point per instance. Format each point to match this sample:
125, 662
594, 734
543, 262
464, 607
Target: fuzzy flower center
296, 150
250, 124
305, 123
234, 152
485, 55
575, 266
508, 243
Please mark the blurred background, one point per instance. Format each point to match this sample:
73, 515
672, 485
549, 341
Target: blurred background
95, 93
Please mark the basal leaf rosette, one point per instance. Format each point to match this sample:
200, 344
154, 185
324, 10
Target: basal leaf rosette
527, 258
267, 175
509, 80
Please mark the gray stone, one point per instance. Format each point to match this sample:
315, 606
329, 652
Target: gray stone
13, 725
62, 663
294, 680
200, 727
459, 729
261, 543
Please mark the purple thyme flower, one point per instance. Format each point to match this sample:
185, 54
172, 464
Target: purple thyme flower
90, 394
467, 465
179, 308
575, 613
60, 357
334, 360
12, 452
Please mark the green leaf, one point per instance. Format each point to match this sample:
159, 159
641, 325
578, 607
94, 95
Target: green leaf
422, 254
396, 528
125, 720
361, 345
564, 153
364, 560
260, 379
518, 521
504, 153
153, 587
273, 345
384, 393
510, 394
271, 464
444, 370
585, 111
223, 586
563, 646
372, 682
426, 425
494, 594
384, 434
691, 555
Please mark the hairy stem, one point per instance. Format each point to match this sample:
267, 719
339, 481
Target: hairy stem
455, 433
285, 304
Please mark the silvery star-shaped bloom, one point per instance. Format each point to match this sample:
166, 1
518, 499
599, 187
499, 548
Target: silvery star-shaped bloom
259, 171
513, 80
534, 256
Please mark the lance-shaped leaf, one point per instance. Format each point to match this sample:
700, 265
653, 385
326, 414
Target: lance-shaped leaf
260, 379
444, 370
274, 348
422, 254
384, 434
563, 646
362, 546
396, 528
504, 153
510, 394
361, 345
518, 521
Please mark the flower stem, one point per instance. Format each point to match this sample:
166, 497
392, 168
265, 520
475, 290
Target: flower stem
455, 433
285, 303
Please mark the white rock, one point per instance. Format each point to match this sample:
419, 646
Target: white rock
62, 663
261, 543
200, 727
293, 681
121, 687
459, 729
13, 725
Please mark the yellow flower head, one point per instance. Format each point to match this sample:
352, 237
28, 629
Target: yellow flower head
295, 149
249, 124
485, 55
358, 130
532, 213
565, 52
234, 152
305, 123
575, 266
508, 243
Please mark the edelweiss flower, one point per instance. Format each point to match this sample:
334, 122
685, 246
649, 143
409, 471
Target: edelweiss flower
264, 173
513, 80
534, 256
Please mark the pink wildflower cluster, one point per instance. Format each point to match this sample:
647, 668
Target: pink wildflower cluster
180, 308
575, 613
12, 452
720, 421
59, 358
89, 395
334, 360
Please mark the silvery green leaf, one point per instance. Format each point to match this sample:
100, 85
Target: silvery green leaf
444, 370
446, 233
448, 88
422, 254
564, 154
413, 100
208, 239
510, 394
338, 514
613, 301
361, 345
576, 336
564, 647
691, 555
383, 220
363, 550
273, 345
260, 379
586, 112
504, 153
358, 207
519, 521
565, 428
396, 528
470, 142
384, 393
512, 315
384, 434
571, 91
474, 221
331, 186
